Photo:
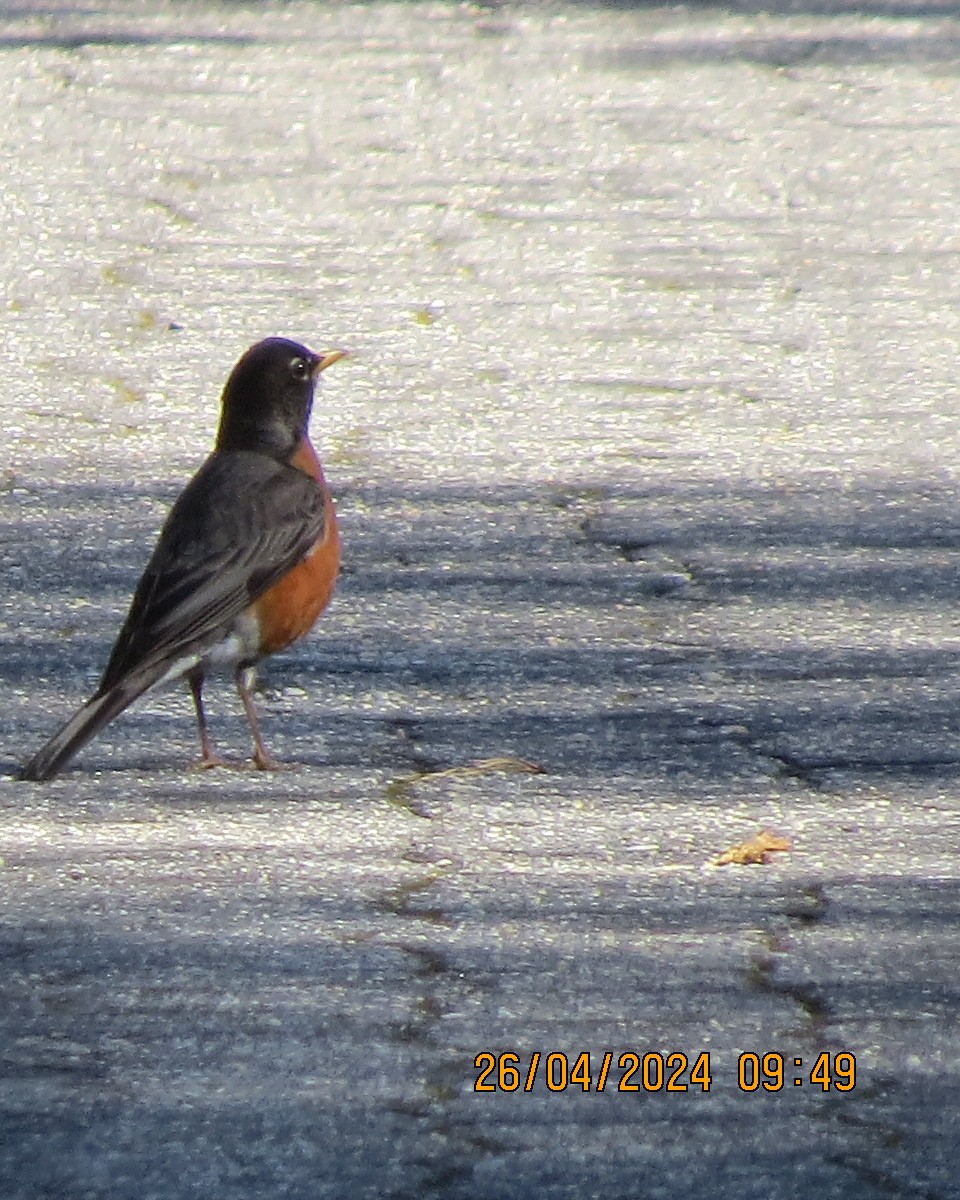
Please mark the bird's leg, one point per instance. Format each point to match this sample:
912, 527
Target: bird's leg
209, 757
263, 760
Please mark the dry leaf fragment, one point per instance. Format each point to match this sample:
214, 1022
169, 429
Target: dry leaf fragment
756, 850
484, 767
400, 791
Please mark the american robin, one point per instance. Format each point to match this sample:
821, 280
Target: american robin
244, 565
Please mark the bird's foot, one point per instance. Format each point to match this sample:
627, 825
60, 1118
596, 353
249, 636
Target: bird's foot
263, 761
209, 761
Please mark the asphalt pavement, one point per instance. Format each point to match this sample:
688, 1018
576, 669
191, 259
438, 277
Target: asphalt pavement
645, 460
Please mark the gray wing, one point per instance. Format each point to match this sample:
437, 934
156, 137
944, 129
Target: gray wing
242, 523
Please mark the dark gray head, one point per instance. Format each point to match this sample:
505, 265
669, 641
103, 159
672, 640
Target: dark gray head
267, 399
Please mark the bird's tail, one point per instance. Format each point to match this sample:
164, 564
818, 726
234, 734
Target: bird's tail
85, 724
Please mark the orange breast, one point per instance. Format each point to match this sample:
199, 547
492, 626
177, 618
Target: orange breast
291, 607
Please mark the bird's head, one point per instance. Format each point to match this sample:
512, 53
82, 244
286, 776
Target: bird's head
268, 397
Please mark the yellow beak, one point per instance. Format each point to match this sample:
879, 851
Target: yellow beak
328, 359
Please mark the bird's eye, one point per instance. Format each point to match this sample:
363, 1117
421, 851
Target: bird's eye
299, 368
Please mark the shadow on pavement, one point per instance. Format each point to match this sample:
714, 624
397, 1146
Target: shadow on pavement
590, 628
